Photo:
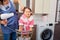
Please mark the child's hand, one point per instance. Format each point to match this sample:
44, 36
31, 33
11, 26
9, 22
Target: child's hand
31, 29
20, 28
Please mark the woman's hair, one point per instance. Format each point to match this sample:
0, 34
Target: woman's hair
1, 1
27, 8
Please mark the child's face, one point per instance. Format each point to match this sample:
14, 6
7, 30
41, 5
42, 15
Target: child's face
27, 12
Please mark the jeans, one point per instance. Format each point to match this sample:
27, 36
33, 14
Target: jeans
11, 36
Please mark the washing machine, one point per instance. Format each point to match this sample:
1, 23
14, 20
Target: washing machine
45, 31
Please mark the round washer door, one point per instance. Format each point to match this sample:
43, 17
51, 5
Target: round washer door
46, 34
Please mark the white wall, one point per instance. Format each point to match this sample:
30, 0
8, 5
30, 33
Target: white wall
51, 16
52, 13
58, 13
42, 6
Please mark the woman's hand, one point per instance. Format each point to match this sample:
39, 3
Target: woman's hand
4, 22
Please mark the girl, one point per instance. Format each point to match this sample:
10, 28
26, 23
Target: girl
26, 22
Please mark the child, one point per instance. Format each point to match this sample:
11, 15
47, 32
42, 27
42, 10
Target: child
26, 22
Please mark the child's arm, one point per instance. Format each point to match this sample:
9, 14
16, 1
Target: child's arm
20, 24
31, 25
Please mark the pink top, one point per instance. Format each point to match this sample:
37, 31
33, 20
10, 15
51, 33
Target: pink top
26, 22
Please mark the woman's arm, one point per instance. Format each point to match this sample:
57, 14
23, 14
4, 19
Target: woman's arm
20, 3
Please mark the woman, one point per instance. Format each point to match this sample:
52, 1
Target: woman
8, 6
26, 22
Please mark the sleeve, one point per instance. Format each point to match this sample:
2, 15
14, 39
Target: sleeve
12, 1
31, 24
20, 21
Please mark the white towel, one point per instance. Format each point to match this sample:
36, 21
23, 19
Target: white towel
6, 15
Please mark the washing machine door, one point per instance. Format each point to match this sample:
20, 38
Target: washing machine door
46, 34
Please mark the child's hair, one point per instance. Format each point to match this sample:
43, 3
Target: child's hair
27, 8
1, 1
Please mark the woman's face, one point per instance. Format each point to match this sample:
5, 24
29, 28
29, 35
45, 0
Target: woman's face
27, 12
4, 2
